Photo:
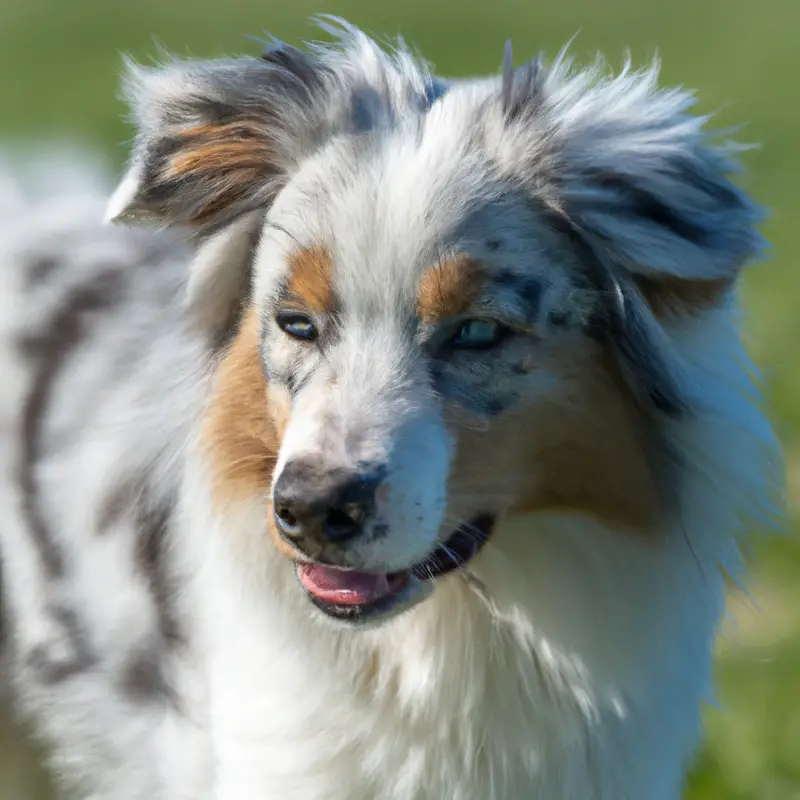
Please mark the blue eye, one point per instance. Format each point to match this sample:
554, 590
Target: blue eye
479, 334
297, 325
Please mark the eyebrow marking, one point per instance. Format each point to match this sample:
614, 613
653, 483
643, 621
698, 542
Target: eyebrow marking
452, 286
449, 287
529, 291
310, 280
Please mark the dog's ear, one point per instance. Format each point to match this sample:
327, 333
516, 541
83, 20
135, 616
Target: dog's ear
636, 174
635, 181
216, 139
215, 142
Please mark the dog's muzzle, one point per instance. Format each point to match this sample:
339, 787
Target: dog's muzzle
357, 596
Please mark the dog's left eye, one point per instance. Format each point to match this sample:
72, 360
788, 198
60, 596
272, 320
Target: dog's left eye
297, 325
479, 334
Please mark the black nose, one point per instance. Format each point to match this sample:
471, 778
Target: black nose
319, 506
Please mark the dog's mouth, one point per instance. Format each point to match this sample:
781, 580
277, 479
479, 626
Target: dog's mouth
356, 596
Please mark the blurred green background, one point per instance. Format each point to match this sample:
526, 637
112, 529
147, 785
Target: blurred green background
59, 61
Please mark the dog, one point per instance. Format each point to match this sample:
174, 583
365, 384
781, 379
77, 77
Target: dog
396, 441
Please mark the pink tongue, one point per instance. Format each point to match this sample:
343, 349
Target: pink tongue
347, 587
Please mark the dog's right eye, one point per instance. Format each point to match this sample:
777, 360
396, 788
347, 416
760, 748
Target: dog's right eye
479, 334
297, 325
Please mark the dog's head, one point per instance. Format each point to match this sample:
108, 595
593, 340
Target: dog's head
438, 304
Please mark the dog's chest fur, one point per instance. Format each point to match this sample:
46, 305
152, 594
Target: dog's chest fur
526, 680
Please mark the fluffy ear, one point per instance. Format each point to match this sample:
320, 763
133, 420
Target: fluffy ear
635, 173
215, 142
219, 138
216, 139
631, 177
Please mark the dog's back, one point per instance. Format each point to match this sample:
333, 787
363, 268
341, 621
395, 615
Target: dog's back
81, 306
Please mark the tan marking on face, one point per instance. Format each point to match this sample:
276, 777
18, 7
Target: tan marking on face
311, 279
581, 450
243, 426
238, 432
449, 288
668, 295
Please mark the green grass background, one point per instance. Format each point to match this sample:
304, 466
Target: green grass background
59, 62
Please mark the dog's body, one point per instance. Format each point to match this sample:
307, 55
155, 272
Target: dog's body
591, 414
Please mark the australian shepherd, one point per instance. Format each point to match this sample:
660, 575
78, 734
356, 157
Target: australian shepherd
399, 451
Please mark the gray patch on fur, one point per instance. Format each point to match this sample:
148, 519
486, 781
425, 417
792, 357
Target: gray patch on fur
40, 269
65, 656
142, 678
152, 522
120, 499
51, 348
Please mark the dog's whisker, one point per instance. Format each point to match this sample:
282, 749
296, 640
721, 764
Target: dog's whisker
449, 553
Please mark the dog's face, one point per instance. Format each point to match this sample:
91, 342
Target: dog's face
454, 298
414, 338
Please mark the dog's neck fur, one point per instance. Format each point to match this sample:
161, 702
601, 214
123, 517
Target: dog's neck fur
570, 661
553, 666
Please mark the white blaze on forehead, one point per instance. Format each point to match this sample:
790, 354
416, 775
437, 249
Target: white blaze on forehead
397, 219
384, 207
